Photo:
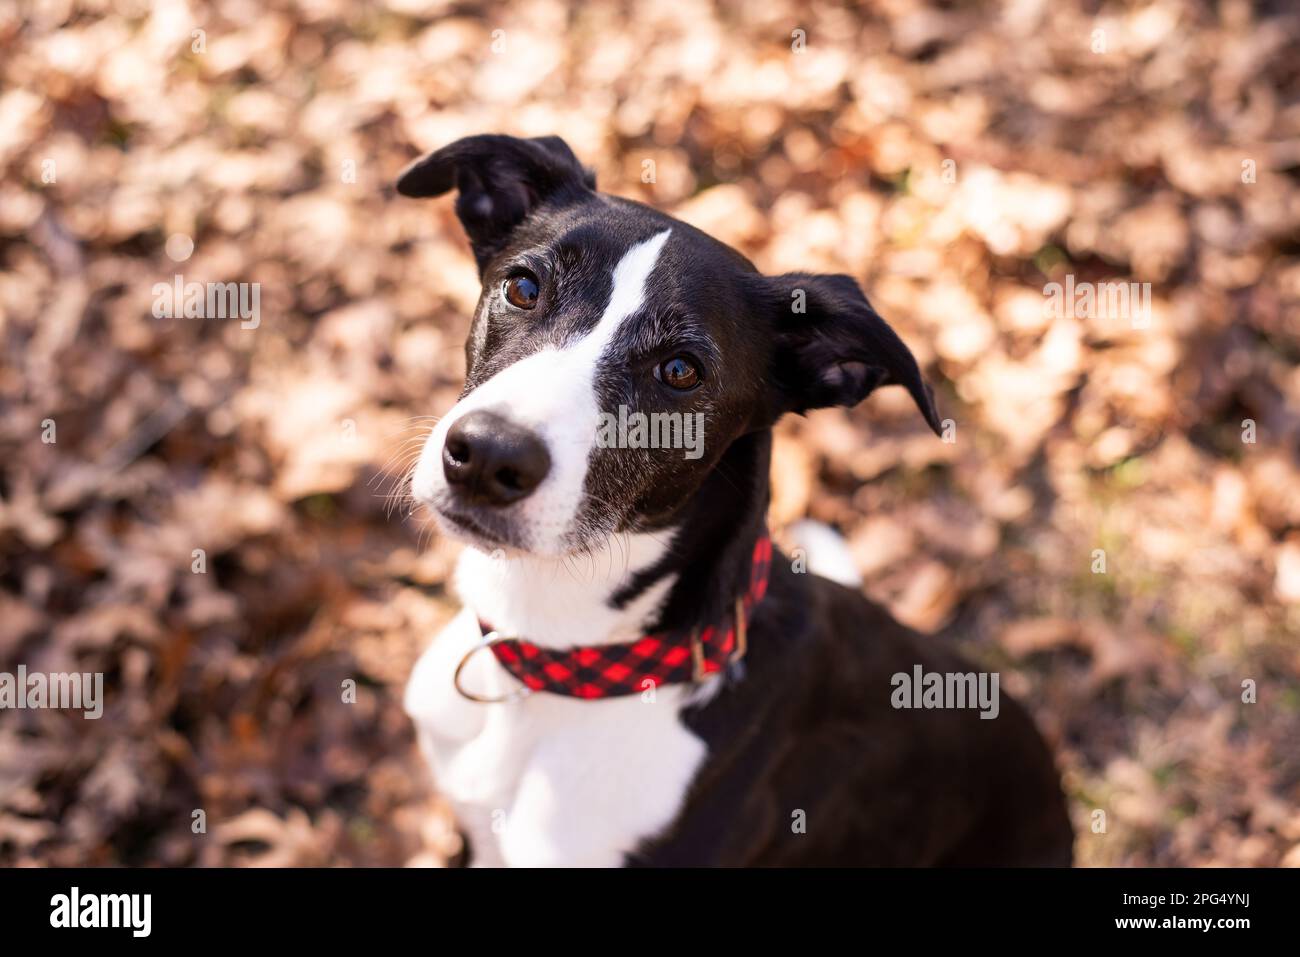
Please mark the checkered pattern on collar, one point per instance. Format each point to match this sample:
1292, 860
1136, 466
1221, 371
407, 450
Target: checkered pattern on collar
604, 671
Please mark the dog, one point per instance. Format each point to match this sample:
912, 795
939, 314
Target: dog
637, 677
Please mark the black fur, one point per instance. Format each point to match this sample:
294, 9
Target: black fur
810, 728
806, 723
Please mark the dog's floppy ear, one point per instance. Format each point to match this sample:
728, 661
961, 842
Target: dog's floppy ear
832, 348
500, 180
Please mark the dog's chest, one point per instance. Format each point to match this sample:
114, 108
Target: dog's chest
548, 780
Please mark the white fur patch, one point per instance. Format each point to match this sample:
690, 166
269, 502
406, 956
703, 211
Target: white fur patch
827, 552
551, 780
561, 603
552, 393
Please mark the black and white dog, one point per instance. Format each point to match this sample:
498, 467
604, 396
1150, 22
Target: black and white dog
635, 678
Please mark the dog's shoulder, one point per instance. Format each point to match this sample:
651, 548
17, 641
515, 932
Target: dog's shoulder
810, 761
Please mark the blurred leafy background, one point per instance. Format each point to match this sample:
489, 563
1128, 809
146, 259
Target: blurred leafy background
954, 158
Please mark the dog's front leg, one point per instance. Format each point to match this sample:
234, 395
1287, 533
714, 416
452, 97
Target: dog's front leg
613, 774
550, 829
481, 829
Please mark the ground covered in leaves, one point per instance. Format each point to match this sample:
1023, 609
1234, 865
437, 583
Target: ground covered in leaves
198, 509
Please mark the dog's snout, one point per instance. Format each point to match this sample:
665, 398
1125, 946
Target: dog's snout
488, 460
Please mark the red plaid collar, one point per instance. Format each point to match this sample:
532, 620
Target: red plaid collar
606, 671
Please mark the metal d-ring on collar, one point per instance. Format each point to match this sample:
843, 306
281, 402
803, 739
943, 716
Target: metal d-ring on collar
487, 641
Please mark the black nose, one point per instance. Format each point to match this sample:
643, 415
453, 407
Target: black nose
490, 461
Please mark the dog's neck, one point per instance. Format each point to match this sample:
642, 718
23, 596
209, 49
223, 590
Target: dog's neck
686, 573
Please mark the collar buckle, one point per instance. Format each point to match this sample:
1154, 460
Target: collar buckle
698, 673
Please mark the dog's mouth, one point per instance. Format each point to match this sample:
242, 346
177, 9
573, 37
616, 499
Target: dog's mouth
474, 530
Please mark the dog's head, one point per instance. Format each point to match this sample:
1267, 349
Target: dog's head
615, 354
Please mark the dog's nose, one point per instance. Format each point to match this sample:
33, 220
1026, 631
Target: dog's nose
491, 461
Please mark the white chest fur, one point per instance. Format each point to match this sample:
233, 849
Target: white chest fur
550, 780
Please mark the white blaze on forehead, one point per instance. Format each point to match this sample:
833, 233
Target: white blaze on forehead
552, 392
628, 294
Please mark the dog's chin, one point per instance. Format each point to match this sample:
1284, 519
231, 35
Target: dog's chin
512, 534
483, 534
501, 538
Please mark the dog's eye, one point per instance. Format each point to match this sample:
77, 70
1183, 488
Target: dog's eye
678, 372
521, 291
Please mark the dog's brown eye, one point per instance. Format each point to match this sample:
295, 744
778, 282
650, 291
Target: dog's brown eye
521, 291
678, 372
